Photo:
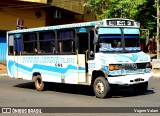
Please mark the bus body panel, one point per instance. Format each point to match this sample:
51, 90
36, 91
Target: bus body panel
109, 58
52, 68
127, 74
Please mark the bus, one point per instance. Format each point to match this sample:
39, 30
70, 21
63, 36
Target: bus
98, 54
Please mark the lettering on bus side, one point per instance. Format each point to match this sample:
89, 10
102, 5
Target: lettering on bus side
56, 60
58, 65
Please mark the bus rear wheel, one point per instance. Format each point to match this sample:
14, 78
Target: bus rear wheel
39, 85
101, 87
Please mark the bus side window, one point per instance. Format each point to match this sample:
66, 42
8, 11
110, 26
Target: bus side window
11, 43
60, 47
67, 46
47, 42
15, 44
29, 43
66, 41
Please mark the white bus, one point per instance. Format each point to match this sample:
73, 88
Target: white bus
98, 54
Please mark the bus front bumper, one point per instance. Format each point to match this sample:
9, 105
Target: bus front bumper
130, 79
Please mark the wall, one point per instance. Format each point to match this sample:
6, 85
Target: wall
3, 47
71, 5
88, 15
8, 18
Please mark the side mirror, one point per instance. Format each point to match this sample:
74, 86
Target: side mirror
91, 54
95, 40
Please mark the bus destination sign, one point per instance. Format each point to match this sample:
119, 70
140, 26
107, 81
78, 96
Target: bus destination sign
120, 23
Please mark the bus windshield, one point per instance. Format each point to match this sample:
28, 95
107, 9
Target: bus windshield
115, 44
132, 41
110, 42
119, 39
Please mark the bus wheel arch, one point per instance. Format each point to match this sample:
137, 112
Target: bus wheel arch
100, 84
38, 82
96, 74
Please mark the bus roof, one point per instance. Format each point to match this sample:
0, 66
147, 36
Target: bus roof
118, 19
101, 23
85, 24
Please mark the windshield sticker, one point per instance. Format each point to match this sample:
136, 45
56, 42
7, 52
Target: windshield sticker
106, 45
110, 49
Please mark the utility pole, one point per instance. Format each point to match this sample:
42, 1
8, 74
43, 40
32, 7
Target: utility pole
158, 29
156, 62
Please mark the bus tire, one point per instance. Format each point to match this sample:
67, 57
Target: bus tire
101, 87
39, 84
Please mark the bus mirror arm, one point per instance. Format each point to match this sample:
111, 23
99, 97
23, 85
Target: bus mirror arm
95, 40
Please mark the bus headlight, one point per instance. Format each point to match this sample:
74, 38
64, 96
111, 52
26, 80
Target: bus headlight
115, 67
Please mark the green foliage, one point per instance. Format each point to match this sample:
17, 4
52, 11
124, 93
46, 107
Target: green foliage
143, 36
115, 8
146, 16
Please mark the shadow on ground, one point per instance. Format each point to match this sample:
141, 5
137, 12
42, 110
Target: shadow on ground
128, 92
84, 90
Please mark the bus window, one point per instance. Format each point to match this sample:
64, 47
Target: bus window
66, 41
15, 44
47, 42
29, 43
132, 41
10, 44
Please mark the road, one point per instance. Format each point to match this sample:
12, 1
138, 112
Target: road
22, 93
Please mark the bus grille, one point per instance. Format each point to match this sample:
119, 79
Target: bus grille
134, 66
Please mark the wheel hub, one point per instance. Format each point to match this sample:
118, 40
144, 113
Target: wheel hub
100, 87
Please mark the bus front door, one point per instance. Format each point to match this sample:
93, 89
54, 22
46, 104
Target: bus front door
82, 57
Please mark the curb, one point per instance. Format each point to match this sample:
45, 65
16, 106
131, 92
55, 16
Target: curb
156, 75
3, 75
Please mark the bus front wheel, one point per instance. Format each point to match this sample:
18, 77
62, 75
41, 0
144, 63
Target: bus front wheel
39, 85
101, 87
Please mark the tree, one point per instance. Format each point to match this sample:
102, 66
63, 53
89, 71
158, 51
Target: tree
146, 16
115, 8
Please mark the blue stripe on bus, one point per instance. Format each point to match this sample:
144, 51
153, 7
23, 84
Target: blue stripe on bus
111, 37
119, 37
43, 67
131, 37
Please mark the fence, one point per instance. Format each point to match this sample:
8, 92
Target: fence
3, 49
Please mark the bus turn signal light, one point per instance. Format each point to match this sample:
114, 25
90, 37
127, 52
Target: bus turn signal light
111, 67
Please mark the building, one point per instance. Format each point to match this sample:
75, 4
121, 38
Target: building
38, 13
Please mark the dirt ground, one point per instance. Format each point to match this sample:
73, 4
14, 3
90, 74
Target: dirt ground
3, 69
